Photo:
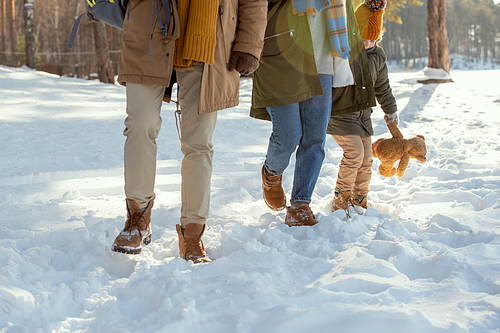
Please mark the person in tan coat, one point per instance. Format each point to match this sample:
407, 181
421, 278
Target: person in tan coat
203, 46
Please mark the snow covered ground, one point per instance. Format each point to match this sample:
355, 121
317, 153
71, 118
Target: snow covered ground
425, 257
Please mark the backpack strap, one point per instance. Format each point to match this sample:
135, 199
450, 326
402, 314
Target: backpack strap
166, 12
159, 23
74, 30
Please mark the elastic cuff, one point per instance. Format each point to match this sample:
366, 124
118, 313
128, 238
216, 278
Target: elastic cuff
299, 202
186, 221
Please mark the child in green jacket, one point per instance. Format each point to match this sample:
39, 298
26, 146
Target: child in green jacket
353, 131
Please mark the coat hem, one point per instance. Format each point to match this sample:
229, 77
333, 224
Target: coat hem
142, 79
218, 107
288, 100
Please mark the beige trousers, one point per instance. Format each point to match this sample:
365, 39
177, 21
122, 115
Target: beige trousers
355, 170
142, 126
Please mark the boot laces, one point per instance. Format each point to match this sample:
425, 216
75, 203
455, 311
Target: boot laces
268, 184
194, 247
134, 223
345, 201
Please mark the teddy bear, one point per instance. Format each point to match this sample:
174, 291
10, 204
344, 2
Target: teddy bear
388, 151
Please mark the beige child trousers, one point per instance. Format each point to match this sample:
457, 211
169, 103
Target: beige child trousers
355, 170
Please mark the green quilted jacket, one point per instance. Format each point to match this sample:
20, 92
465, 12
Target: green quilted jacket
360, 123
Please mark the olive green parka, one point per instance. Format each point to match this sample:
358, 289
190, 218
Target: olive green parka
287, 73
360, 123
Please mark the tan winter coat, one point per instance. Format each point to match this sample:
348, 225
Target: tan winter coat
240, 27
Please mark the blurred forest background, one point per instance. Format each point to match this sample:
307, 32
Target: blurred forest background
473, 28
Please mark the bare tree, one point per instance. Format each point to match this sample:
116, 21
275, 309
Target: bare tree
78, 45
12, 30
439, 54
3, 31
104, 66
29, 33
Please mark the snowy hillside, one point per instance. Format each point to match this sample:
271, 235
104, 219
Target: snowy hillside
425, 258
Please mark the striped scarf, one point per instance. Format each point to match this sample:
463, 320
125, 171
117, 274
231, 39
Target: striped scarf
335, 22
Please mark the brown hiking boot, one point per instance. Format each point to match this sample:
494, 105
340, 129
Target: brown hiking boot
360, 203
360, 200
137, 229
274, 195
190, 243
300, 216
341, 200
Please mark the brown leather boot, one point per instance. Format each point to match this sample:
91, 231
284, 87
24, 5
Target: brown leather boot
137, 229
360, 203
341, 200
360, 200
190, 243
300, 216
274, 195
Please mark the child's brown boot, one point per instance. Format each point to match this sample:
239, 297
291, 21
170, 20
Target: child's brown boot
359, 203
341, 200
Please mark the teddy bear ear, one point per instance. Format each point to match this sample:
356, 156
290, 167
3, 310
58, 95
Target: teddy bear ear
421, 137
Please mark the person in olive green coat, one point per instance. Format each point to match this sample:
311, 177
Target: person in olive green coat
294, 87
287, 71
353, 131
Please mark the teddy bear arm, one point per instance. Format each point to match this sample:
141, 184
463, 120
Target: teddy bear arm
394, 130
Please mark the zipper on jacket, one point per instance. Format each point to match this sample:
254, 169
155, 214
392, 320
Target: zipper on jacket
220, 12
362, 74
291, 31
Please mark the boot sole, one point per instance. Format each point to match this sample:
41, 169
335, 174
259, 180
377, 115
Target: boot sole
274, 208
300, 224
131, 250
270, 206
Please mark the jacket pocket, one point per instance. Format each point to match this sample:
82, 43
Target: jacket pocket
276, 43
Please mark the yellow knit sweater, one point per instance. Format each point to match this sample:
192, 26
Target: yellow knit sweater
198, 24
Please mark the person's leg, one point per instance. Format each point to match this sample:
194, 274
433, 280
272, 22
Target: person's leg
142, 125
364, 175
352, 146
287, 131
282, 143
196, 171
352, 159
362, 182
196, 139
315, 113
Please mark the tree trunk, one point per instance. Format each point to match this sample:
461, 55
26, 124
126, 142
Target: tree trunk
29, 34
58, 47
439, 54
12, 30
77, 44
3, 32
104, 67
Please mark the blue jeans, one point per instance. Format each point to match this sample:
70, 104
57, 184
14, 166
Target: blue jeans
300, 124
